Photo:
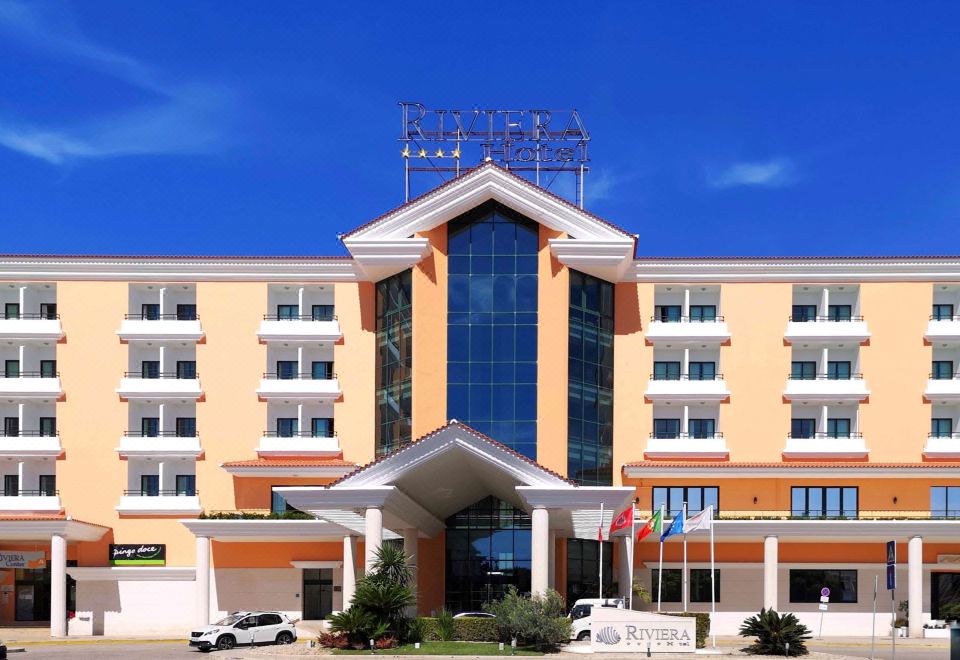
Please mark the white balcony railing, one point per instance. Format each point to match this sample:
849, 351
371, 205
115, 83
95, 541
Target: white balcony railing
300, 389
31, 386
299, 329
823, 445
945, 390
687, 446
942, 445
712, 331
164, 503
826, 389
687, 389
30, 445
298, 445
132, 446
825, 330
137, 328
135, 386
30, 501
31, 327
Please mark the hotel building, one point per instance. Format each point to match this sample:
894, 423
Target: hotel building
487, 368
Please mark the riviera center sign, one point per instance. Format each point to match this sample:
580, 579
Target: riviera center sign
615, 630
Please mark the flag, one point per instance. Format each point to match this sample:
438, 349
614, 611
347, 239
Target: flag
676, 527
622, 521
600, 533
702, 520
655, 524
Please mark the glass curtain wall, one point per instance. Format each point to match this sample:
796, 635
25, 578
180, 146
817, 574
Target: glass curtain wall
394, 362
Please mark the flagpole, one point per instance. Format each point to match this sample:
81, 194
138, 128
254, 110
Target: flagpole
629, 546
684, 576
660, 577
600, 540
713, 588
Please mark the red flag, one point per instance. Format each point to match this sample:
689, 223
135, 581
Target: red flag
653, 525
600, 533
622, 521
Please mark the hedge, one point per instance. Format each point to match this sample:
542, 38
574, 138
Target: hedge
703, 625
465, 629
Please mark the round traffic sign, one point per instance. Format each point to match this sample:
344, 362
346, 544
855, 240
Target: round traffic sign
825, 591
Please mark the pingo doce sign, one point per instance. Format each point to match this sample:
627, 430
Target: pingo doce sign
617, 631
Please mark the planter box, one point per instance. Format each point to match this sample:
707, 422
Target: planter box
936, 633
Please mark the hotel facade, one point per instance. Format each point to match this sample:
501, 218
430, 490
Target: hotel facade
188, 436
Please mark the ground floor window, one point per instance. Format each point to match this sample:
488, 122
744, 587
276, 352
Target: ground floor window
672, 590
583, 570
945, 596
805, 585
700, 585
488, 549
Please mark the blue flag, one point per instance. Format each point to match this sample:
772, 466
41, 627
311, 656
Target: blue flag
676, 527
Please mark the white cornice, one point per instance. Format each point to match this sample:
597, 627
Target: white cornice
811, 269
139, 573
608, 260
288, 471
826, 471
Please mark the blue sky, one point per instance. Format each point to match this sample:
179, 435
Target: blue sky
747, 128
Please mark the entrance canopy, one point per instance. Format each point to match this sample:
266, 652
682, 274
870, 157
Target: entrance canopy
421, 484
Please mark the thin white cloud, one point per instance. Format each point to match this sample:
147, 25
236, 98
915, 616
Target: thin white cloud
769, 173
181, 118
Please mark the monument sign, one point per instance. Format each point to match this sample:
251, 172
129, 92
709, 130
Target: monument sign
617, 631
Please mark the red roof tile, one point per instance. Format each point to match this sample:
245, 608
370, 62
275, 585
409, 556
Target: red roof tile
826, 464
291, 462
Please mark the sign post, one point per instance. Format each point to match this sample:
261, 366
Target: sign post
873, 624
892, 588
824, 601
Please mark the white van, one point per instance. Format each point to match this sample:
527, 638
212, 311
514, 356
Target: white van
580, 615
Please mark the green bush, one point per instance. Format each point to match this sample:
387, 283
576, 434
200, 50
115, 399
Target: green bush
465, 629
445, 625
703, 625
537, 621
773, 632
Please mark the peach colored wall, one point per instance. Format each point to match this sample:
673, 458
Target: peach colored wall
429, 284
895, 367
355, 364
255, 492
553, 291
633, 363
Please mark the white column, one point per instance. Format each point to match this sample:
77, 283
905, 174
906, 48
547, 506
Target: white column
552, 563
915, 586
822, 422
411, 543
824, 302
162, 415
540, 555
22, 357
203, 580
163, 301
58, 586
301, 421
686, 304
373, 537
770, 572
623, 567
164, 367
685, 367
685, 420
349, 569
301, 310
300, 365
824, 361
21, 418
23, 300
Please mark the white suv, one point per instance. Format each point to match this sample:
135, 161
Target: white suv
245, 628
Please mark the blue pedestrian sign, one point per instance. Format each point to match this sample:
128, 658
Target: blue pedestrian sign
891, 565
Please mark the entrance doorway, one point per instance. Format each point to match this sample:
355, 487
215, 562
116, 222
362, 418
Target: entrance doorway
32, 593
945, 596
317, 593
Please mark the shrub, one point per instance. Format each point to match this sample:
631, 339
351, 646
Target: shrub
476, 629
640, 592
703, 625
537, 621
333, 640
386, 642
416, 630
354, 623
445, 625
774, 632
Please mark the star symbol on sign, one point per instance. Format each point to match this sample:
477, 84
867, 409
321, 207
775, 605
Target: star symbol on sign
439, 153
455, 153
406, 152
422, 153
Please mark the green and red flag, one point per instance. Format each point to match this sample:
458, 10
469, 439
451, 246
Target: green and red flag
655, 524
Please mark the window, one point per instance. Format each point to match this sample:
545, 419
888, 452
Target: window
277, 503
287, 369
672, 590
803, 427
805, 585
48, 311
149, 485
700, 587
839, 312
394, 380
186, 427
666, 428
48, 427
942, 312
942, 370
11, 311
186, 369
702, 428
288, 312
697, 498
11, 368
287, 427
186, 312
47, 485
321, 313
945, 501
839, 370
805, 370
150, 369
945, 595
48, 368
666, 371
824, 502
703, 313
321, 427
583, 565
150, 312
149, 427
11, 485
269, 620
667, 313
941, 427
186, 485
11, 427
703, 371
321, 370
838, 428
804, 313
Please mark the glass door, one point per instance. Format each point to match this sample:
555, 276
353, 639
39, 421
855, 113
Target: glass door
317, 593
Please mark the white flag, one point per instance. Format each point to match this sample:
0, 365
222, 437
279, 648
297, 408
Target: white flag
702, 520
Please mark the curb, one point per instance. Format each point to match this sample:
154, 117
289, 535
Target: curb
93, 642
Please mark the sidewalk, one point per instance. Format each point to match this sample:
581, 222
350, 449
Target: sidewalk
22, 636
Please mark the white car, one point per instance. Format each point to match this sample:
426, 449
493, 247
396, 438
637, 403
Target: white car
580, 615
245, 628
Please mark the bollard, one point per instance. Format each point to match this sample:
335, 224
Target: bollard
786, 647
954, 641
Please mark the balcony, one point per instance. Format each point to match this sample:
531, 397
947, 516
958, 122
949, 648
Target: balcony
826, 330
299, 328
686, 445
946, 390
686, 388
826, 445
164, 386
31, 385
159, 502
166, 444
687, 330
29, 444
298, 444
824, 389
24, 327
30, 501
942, 445
304, 387
159, 327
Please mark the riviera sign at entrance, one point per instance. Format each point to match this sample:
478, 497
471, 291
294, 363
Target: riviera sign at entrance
617, 631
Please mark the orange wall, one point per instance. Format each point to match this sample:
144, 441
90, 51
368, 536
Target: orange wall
429, 284
255, 493
272, 555
355, 363
553, 291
